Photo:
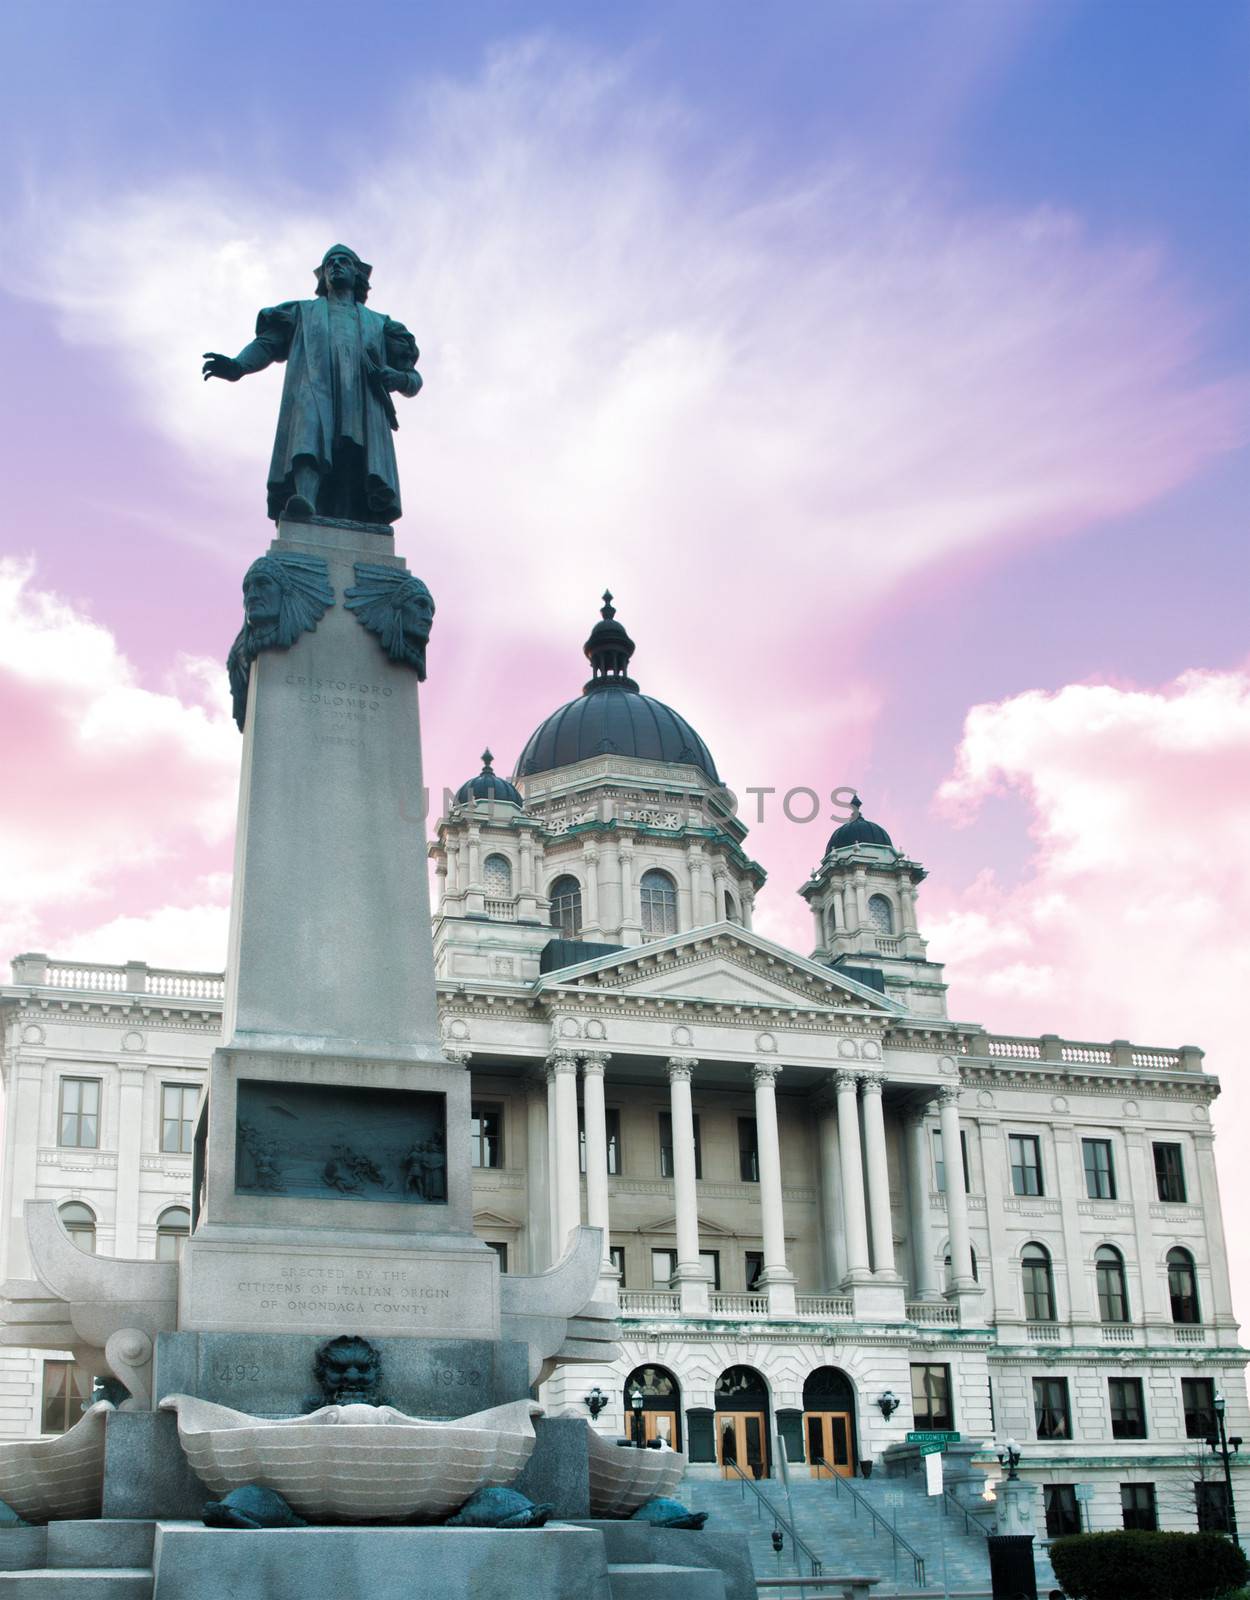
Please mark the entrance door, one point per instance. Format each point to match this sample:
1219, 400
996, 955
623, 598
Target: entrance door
660, 1425
740, 1443
829, 1448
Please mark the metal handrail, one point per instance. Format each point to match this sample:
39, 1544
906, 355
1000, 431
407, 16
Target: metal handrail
781, 1520
970, 1521
878, 1521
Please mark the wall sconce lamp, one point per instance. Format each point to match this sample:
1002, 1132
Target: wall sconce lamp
889, 1403
595, 1402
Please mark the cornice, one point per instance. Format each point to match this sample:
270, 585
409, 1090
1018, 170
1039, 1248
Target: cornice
191, 1016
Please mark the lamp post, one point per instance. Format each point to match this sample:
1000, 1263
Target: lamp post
1012, 1569
1224, 1447
635, 1406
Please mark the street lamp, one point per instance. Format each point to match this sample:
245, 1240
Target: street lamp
635, 1405
1009, 1457
1220, 1444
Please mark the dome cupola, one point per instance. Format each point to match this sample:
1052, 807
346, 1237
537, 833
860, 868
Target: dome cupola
858, 830
487, 785
612, 716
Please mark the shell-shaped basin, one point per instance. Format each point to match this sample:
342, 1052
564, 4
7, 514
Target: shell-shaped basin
622, 1479
357, 1463
47, 1480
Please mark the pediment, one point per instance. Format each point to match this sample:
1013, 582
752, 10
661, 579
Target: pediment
707, 1228
492, 1219
723, 966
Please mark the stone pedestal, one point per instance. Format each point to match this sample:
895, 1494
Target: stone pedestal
330, 944
878, 1300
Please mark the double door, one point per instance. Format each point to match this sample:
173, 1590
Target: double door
741, 1443
829, 1443
660, 1425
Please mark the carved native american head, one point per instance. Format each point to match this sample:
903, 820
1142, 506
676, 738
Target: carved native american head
397, 607
283, 596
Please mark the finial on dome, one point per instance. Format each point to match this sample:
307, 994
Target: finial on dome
856, 807
487, 758
608, 650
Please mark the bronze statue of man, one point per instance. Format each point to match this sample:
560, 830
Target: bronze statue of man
333, 455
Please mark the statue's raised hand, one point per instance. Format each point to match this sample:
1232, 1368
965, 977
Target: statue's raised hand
218, 366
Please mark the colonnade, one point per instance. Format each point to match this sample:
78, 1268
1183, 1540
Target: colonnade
853, 1173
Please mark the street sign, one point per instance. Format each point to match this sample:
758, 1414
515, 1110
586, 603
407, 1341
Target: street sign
1085, 1491
934, 1449
933, 1436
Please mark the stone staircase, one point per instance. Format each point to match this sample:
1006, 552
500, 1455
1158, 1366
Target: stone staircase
840, 1531
106, 1559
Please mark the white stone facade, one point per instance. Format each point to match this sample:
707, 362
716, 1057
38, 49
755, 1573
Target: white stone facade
813, 1223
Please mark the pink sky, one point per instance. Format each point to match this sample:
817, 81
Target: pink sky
898, 484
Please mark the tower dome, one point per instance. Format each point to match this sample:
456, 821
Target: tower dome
858, 830
487, 785
612, 716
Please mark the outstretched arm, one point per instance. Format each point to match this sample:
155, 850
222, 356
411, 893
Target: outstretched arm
272, 343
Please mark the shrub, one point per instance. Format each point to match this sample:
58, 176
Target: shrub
1148, 1566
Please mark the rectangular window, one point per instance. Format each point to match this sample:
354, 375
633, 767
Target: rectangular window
931, 1396
486, 1136
754, 1266
1039, 1287
666, 1146
939, 1164
1099, 1173
501, 1250
1198, 1403
612, 1121
1170, 1173
748, 1150
80, 1113
711, 1260
617, 1253
179, 1102
66, 1390
1128, 1414
663, 1266
1137, 1507
1051, 1412
1211, 1500
1026, 1164
1063, 1514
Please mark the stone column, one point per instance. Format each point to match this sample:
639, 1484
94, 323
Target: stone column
923, 1279
596, 1124
831, 1196
1006, 1308
839, 916
691, 1274
537, 1179
956, 1199
748, 905
907, 899
882, 1222
861, 897
552, 1216
566, 1177
851, 907
1220, 1308
631, 924
22, 1137
129, 1145
453, 866
776, 1277
590, 877
855, 1219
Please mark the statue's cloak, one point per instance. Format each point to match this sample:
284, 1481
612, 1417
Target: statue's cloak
331, 410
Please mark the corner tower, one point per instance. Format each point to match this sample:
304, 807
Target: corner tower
863, 901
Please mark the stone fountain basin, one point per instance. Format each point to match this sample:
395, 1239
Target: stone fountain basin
47, 1480
622, 1479
357, 1463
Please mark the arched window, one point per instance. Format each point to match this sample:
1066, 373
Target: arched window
566, 906
1039, 1284
172, 1227
732, 914
659, 904
880, 914
1112, 1290
79, 1221
1182, 1286
497, 877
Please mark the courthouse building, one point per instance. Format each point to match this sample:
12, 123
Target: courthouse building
817, 1190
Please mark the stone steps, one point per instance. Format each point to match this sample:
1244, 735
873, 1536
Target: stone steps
654, 1581
78, 1583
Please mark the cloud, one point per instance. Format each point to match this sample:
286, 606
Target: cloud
1130, 921
120, 795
